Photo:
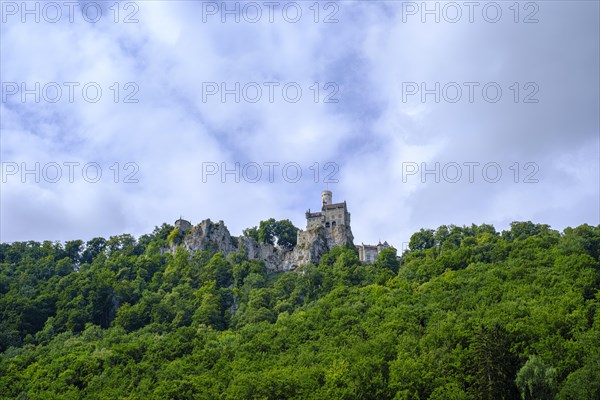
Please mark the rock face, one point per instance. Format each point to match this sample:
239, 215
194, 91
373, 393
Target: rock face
311, 245
318, 240
208, 235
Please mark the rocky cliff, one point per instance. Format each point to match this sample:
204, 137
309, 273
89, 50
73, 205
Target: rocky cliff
311, 246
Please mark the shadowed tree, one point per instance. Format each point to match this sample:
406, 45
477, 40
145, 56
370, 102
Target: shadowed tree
494, 365
422, 240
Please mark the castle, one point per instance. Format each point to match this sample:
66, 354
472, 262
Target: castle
330, 215
325, 229
334, 215
331, 224
368, 253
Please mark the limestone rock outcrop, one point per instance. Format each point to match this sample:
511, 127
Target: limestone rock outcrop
208, 235
325, 229
311, 244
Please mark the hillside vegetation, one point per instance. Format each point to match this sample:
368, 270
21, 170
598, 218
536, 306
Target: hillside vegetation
468, 313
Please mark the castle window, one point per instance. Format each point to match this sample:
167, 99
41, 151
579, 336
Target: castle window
333, 224
326, 224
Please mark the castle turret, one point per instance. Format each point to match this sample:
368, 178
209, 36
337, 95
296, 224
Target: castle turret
327, 196
183, 225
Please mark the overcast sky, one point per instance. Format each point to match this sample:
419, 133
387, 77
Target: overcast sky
497, 103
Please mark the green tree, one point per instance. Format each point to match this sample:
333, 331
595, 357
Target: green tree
252, 233
175, 237
536, 381
219, 270
282, 233
422, 240
266, 231
73, 250
286, 234
494, 364
387, 258
523, 230
210, 311
93, 247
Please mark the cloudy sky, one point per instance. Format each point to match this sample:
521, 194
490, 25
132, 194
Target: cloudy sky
117, 117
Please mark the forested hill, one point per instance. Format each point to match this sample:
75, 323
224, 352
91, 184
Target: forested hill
469, 313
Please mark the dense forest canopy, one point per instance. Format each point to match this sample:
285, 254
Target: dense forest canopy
467, 313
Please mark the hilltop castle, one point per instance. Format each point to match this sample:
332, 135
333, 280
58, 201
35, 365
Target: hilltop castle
336, 215
330, 215
325, 229
332, 223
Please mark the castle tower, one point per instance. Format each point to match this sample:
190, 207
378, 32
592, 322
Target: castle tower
183, 225
327, 196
